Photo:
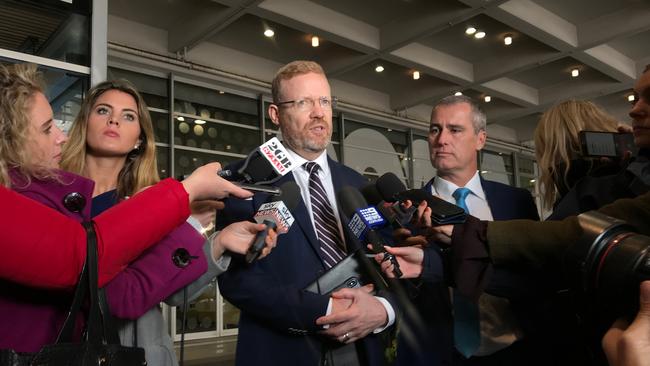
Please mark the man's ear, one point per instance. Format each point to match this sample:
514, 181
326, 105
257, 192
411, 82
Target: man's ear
274, 114
480, 141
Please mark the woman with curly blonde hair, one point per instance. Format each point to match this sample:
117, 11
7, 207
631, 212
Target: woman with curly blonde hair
557, 145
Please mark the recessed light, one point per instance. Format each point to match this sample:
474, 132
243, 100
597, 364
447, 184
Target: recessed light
180, 118
479, 35
470, 30
458, 93
416, 75
507, 40
487, 99
199, 121
269, 32
379, 68
575, 73
222, 92
315, 42
484, 171
631, 98
532, 180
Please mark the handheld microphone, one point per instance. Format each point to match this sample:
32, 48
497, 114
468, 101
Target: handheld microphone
264, 165
275, 213
364, 220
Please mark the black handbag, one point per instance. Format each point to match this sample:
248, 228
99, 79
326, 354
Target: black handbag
100, 345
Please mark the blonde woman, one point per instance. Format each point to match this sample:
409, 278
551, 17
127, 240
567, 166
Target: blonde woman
557, 147
112, 143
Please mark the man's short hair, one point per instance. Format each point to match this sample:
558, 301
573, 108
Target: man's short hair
647, 68
479, 120
292, 70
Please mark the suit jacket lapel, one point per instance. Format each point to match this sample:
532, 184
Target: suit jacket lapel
498, 205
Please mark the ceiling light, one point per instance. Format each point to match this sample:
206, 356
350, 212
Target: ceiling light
458, 93
532, 181
315, 42
269, 33
180, 118
631, 98
199, 121
222, 92
379, 68
470, 30
416, 75
575, 73
479, 35
487, 99
507, 40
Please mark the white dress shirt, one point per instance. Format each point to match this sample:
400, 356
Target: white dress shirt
301, 175
499, 328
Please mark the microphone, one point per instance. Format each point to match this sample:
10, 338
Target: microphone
383, 195
264, 165
364, 220
275, 213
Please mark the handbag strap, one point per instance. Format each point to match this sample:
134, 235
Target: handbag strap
65, 335
100, 326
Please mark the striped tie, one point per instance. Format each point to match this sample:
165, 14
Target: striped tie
327, 230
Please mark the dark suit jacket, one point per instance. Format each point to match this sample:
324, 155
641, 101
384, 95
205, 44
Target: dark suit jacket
278, 318
433, 344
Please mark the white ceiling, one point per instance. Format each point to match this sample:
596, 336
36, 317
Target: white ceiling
607, 40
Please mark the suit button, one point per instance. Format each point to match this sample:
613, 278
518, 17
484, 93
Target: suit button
74, 202
182, 258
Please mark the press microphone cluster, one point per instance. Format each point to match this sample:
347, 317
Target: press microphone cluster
384, 195
364, 221
275, 214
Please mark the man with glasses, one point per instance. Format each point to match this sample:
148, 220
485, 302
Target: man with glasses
281, 323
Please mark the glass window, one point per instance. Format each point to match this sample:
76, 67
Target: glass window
58, 30
423, 171
497, 166
373, 151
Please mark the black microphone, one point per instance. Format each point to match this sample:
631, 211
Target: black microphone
264, 165
383, 195
275, 213
363, 221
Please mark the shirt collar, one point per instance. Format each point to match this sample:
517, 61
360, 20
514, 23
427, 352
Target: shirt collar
446, 188
321, 160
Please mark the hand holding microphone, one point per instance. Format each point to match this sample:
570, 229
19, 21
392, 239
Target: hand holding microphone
275, 214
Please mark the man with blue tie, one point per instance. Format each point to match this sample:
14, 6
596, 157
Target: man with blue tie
457, 330
281, 323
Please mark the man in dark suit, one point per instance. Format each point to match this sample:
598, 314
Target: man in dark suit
281, 323
457, 132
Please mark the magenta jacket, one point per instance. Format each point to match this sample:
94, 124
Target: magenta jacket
31, 318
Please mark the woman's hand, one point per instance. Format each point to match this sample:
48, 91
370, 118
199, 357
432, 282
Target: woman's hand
205, 211
239, 236
204, 183
409, 260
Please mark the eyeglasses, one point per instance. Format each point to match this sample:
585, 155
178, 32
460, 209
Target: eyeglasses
309, 103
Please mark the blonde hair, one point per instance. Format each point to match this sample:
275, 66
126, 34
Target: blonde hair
290, 71
19, 83
557, 141
140, 169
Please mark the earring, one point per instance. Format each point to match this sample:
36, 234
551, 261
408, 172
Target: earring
137, 146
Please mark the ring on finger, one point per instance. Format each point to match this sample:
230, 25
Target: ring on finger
346, 337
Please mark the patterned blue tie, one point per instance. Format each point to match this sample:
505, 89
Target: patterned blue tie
327, 229
467, 333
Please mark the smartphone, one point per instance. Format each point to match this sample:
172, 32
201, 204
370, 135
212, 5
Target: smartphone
276, 191
606, 144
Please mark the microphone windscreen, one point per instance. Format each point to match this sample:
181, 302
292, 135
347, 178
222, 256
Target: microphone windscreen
350, 200
259, 169
388, 186
290, 194
371, 194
